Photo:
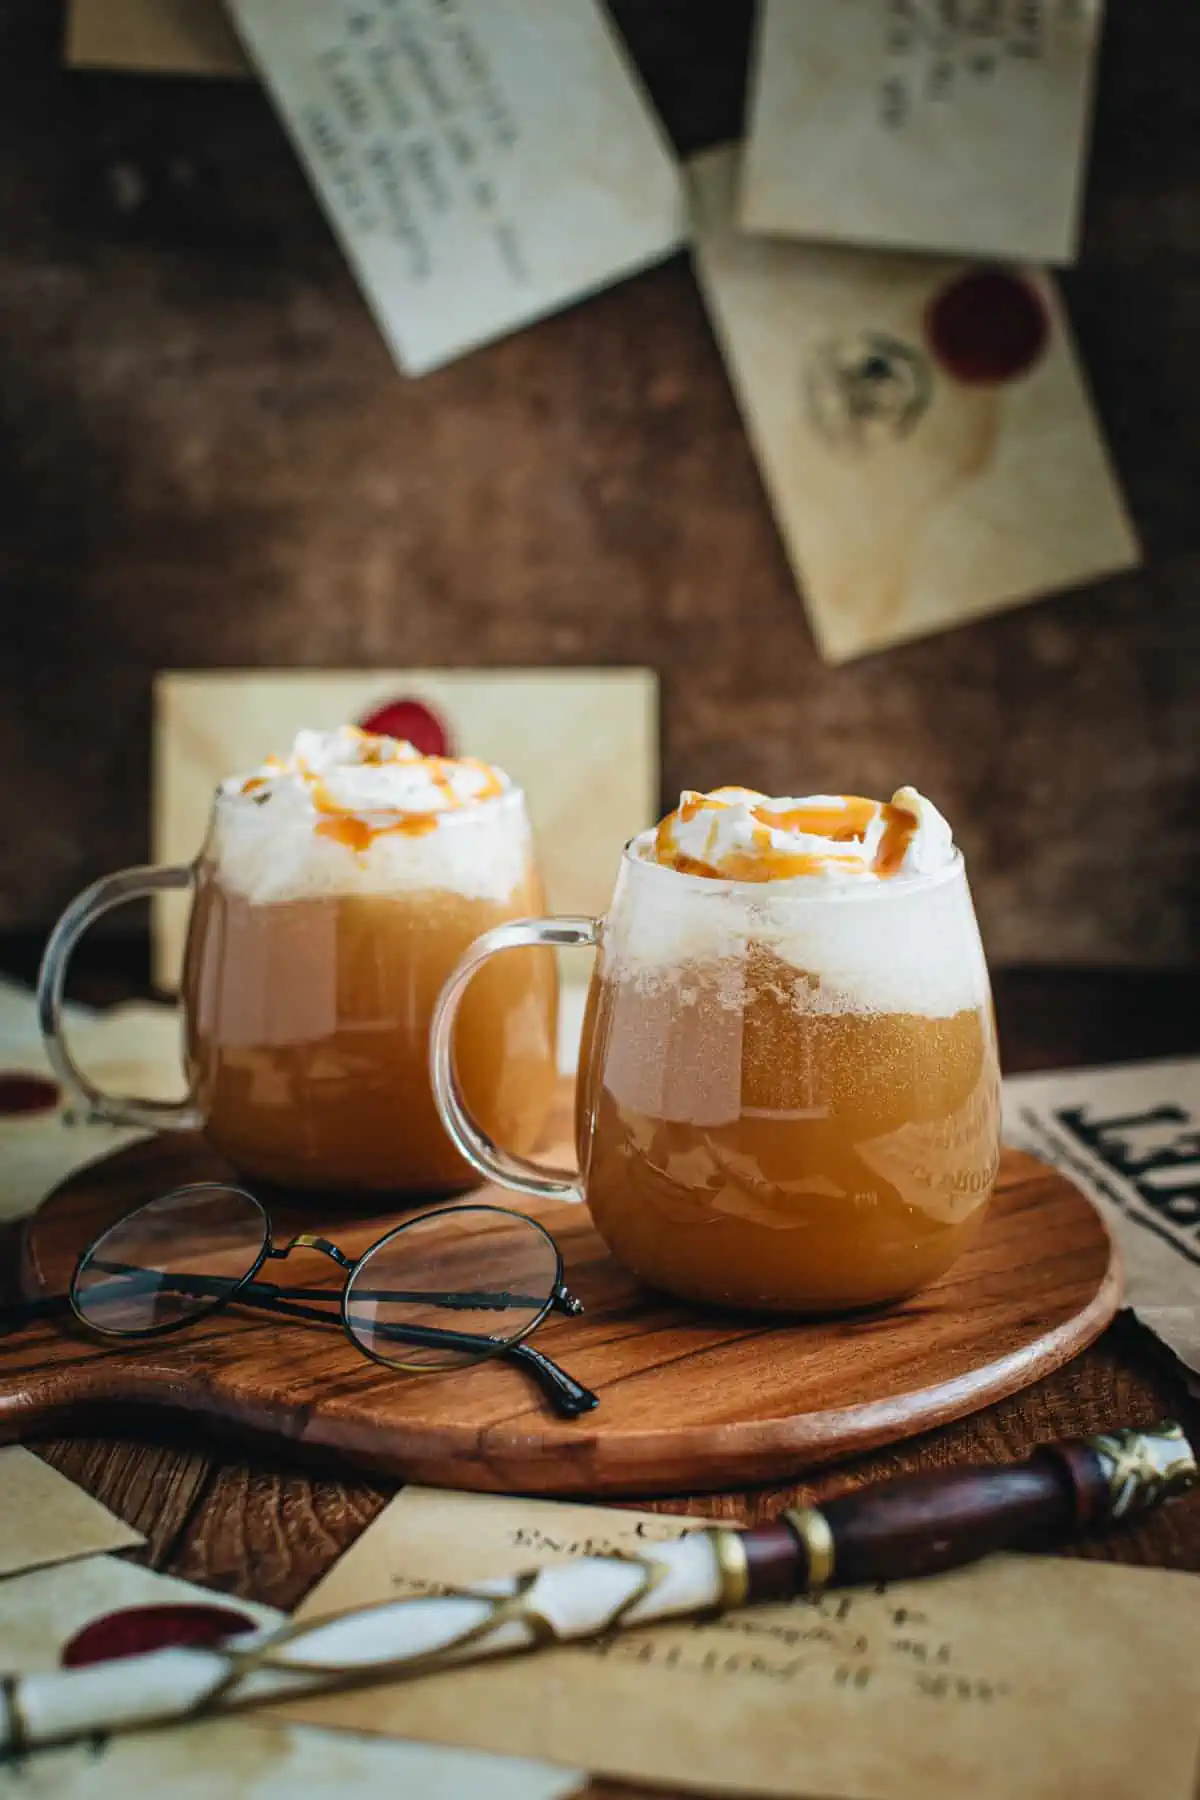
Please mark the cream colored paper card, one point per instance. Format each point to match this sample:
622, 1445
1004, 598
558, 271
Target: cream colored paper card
582, 743
248, 1759
41, 1611
1130, 1138
134, 1049
1023, 1676
154, 37
923, 428
44, 1518
18, 1019
947, 125
241, 1759
483, 164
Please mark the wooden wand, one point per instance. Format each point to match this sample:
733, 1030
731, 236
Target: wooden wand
915, 1525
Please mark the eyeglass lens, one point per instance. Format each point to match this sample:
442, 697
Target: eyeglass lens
442, 1291
172, 1260
451, 1287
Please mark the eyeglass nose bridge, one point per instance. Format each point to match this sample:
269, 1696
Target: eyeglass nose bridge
306, 1240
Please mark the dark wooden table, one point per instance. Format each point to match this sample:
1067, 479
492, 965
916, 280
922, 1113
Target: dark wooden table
267, 1531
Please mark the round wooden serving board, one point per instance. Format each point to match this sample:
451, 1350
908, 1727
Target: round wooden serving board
688, 1401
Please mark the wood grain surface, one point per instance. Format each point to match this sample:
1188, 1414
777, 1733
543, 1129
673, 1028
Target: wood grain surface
689, 1400
260, 1527
207, 459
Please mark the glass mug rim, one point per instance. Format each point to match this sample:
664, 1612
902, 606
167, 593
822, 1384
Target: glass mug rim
794, 890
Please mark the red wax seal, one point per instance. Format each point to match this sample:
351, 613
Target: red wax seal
413, 720
987, 327
23, 1093
136, 1630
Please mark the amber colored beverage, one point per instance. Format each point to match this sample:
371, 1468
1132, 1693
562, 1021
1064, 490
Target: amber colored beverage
788, 1095
308, 1033
847, 1161
335, 891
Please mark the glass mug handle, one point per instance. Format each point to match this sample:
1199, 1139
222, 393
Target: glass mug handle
101, 897
498, 1164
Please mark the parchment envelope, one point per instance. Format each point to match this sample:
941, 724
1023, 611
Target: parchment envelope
44, 1518
246, 1758
154, 37
1024, 1676
1129, 1136
922, 427
923, 124
483, 164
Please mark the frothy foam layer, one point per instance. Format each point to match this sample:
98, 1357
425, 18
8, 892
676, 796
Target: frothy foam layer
347, 812
738, 834
885, 947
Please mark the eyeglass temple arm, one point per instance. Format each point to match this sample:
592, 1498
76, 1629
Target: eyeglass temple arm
273, 1299
562, 1299
569, 1396
468, 1299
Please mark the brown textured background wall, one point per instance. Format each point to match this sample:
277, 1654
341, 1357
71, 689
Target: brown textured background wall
207, 459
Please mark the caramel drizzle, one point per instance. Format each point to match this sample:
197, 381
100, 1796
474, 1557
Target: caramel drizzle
845, 823
346, 825
273, 767
358, 835
899, 829
747, 865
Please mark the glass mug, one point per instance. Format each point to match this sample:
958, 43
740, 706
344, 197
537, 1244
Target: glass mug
787, 1100
310, 976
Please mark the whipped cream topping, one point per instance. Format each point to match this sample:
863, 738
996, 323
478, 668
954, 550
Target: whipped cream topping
738, 834
835, 902
349, 771
349, 812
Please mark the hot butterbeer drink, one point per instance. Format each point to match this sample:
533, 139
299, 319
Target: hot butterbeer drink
788, 1095
338, 888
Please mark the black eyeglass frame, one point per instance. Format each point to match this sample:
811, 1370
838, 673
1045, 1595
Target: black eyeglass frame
570, 1396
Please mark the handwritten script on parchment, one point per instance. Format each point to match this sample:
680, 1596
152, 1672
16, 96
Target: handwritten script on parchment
1025, 1676
935, 52
949, 125
482, 161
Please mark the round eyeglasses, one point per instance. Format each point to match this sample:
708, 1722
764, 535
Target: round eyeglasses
441, 1291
